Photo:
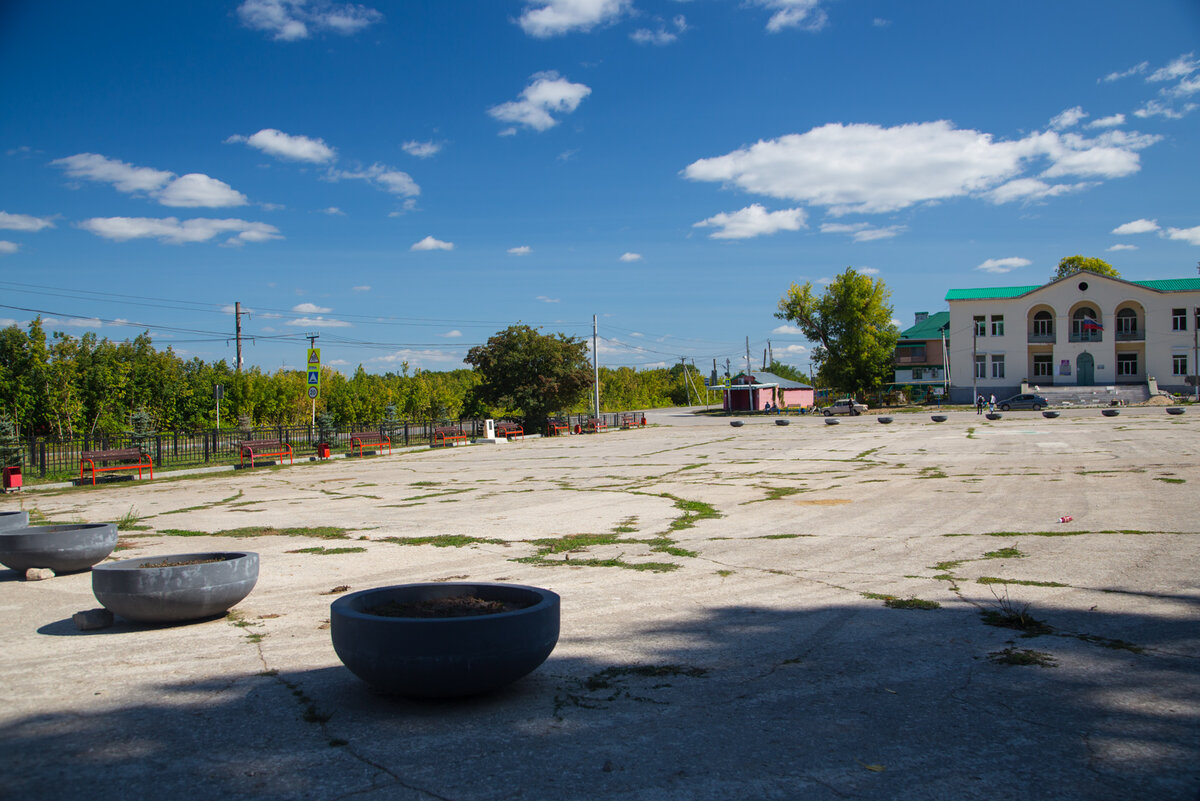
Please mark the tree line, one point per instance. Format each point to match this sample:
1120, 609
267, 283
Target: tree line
68, 387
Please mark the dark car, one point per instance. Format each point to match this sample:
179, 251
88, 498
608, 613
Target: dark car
1025, 401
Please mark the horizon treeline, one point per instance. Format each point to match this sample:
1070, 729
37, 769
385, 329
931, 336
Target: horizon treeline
68, 387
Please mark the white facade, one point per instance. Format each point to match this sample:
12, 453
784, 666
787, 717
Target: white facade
1085, 329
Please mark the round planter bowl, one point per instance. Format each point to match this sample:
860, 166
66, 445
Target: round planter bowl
13, 520
782, 422
1174, 410
884, 420
993, 415
1050, 415
64, 548
832, 421
448, 656
736, 423
176, 593
938, 418
1110, 412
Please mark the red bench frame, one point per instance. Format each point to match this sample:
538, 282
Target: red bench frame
448, 435
250, 447
558, 427
632, 421
509, 430
91, 457
595, 424
360, 439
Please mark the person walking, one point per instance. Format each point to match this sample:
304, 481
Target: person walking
979, 404
992, 403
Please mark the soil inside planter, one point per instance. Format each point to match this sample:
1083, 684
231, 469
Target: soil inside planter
165, 563
454, 606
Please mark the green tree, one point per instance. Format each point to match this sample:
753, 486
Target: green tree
787, 371
1073, 264
851, 328
531, 373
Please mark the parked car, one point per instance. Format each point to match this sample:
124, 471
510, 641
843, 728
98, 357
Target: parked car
1024, 401
845, 406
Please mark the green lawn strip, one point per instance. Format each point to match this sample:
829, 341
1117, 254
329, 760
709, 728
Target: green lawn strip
893, 602
443, 540
321, 550
1024, 582
437, 494
203, 506
318, 532
775, 493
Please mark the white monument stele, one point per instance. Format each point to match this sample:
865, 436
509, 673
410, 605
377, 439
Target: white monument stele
489, 429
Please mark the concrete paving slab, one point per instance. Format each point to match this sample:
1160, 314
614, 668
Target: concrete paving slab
727, 635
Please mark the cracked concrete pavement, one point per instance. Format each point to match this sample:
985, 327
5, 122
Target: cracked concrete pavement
725, 628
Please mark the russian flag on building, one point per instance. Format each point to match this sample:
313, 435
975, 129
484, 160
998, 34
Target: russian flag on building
1091, 325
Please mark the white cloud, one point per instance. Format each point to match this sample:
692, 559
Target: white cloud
863, 232
631, 257
191, 190
429, 243
287, 146
864, 168
23, 222
754, 220
545, 18
72, 322
1189, 235
455, 334
363, 288
422, 150
1142, 226
790, 330
544, 299
661, 35
175, 232
333, 211
792, 350
8, 247
387, 178
1006, 265
868, 271
1107, 122
805, 14
290, 20
317, 322
1155, 108
1181, 67
421, 358
1138, 69
310, 308
1123, 247
523, 250
1068, 119
546, 93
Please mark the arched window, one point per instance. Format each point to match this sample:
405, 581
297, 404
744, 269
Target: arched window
1085, 325
1043, 324
1127, 321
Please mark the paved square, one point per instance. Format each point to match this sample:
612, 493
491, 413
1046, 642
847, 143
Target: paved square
725, 631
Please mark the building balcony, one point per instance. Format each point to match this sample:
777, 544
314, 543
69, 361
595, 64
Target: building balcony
1131, 336
1046, 339
1087, 336
919, 361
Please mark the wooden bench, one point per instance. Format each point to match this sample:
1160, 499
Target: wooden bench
632, 420
594, 425
258, 448
509, 430
558, 426
447, 435
88, 460
373, 439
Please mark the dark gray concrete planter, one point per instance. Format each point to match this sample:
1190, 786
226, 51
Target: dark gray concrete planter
13, 520
64, 548
1174, 410
448, 656
782, 422
736, 423
1050, 415
884, 420
938, 418
1110, 412
832, 421
993, 415
173, 594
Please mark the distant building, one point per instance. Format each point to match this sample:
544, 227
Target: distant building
753, 392
919, 360
1085, 329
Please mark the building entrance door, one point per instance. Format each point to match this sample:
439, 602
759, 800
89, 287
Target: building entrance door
1085, 370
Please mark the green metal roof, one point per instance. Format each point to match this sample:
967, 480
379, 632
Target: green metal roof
930, 328
992, 293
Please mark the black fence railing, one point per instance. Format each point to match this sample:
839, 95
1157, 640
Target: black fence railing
50, 457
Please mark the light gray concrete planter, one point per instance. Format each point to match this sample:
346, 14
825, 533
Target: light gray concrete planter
884, 420
832, 421
737, 423
783, 421
444, 657
1050, 415
1175, 410
64, 548
938, 418
993, 415
1110, 412
13, 520
178, 592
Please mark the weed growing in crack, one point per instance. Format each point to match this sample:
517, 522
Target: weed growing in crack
1008, 616
1023, 656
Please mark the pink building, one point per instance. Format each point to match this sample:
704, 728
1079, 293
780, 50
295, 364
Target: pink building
755, 391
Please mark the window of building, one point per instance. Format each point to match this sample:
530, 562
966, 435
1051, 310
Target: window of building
918, 374
1178, 319
1043, 324
981, 366
1043, 366
1126, 321
1127, 364
997, 325
980, 325
1179, 365
997, 367
1085, 325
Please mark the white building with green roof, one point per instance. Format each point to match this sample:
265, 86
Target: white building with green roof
1082, 330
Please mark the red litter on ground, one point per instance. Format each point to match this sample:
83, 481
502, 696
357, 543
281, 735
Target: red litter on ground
1065, 519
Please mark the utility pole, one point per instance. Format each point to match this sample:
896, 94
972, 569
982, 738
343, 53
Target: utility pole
749, 369
686, 382
595, 369
237, 328
770, 353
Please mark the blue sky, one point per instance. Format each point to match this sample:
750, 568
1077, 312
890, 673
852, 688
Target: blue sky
407, 178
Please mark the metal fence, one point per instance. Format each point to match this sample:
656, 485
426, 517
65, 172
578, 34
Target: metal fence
49, 457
